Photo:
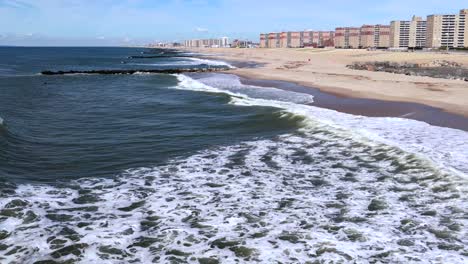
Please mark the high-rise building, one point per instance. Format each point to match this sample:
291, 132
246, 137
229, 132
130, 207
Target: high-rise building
463, 29
447, 30
298, 39
224, 42
207, 43
284, 39
273, 40
347, 37
374, 36
263, 40
417, 33
295, 39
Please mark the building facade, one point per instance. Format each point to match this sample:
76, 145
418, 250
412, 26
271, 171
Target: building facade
447, 30
263, 40
297, 39
207, 43
273, 40
374, 36
347, 37
408, 34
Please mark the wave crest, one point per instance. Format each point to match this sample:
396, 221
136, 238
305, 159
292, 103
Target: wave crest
444, 147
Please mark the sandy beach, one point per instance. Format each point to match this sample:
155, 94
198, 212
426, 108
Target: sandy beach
326, 70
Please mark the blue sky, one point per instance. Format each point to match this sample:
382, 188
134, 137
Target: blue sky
121, 22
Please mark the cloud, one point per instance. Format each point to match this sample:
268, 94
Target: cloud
199, 29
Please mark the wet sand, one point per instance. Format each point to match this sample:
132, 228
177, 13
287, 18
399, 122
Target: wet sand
370, 107
325, 69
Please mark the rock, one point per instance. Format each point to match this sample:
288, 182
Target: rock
162, 71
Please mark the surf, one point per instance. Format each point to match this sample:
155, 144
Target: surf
443, 147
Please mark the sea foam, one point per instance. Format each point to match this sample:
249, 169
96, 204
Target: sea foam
445, 147
342, 189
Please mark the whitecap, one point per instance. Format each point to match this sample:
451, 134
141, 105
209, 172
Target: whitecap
445, 147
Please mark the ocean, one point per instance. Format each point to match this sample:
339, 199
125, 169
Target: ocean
204, 168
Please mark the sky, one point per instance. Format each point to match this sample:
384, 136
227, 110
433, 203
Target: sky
135, 22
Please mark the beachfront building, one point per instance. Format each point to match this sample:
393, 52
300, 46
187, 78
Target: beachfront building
447, 30
273, 40
297, 39
347, 37
284, 38
207, 43
374, 36
408, 34
263, 40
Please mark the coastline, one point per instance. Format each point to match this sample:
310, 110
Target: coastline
327, 72
368, 107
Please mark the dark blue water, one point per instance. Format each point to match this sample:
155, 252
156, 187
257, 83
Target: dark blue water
68, 127
202, 168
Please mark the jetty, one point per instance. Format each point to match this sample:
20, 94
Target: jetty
137, 71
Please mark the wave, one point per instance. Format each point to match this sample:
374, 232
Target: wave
342, 189
287, 199
445, 147
188, 62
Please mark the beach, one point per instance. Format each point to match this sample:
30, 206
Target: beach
111, 162
326, 69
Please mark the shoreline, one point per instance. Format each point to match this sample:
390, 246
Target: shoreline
327, 72
335, 99
368, 107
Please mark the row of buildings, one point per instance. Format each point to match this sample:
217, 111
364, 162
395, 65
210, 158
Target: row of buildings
297, 39
435, 32
207, 43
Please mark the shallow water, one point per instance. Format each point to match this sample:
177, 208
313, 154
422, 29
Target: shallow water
201, 168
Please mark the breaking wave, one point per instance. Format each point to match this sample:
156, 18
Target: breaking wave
342, 189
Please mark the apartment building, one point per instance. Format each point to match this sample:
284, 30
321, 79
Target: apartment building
463, 29
297, 39
408, 34
284, 39
318, 39
263, 40
447, 30
347, 37
273, 40
325, 39
374, 36
207, 43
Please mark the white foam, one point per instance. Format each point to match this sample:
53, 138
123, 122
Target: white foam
310, 192
266, 186
188, 62
445, 147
